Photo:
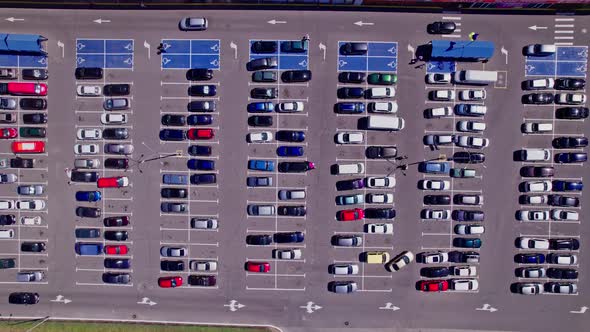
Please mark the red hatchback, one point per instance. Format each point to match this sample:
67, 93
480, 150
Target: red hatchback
170, 282
114, 182
28, 147
349, 215
263, 267
27, 89
200, 133
120, 249
8, 133
434, 285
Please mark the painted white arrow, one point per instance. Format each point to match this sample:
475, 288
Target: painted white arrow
100, 21
411, 49
148, 46
581, 311
61, 298
12, 19
323, 48
147, 301
234, 47
389, 306
234, 305
276, 22
487, 307
534, 27
505, 52
310, 307
61, 45
361, 23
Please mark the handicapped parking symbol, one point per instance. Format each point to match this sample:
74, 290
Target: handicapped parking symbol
215, 63
128, 61
341, 63
42, 61
303, 63
529, 68
166, 46
581, 69
80, 46
165, 61
391, 64
392, 50
80, 60
129, 47
215, 47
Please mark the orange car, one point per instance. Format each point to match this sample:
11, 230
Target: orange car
28, 147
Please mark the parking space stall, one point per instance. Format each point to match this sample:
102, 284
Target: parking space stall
189, 124
103, 165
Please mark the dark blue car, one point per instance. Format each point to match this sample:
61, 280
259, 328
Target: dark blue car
202, 90
462, 242
532, 258
290, 151
290, 136
199, 120
348, 93
261, 107
172, 135
290, 237
201, 164
350, 108
88, 196
561, 185
117, 263
571, 157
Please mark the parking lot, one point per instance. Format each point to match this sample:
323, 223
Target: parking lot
207, 175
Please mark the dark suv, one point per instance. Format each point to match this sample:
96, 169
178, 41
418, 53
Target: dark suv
88, 73
116, 90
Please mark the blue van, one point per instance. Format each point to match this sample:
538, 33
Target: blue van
174, 179
88, 196
89, 249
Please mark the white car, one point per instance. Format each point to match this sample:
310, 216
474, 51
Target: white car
562, 259
535, 199
530, 288
203, 265
570, 98
471, 126
344, 269
383, 228
380, 182
113, 118
29, 220
434, 184
35, 204
464, 271
532, 215
531, 272
442, 95
472, 95
536, 127
350, 137
473, 142
439, 112
88, 90
290, 107
6, 204
538, 186
562, 287
379, 198
399, 261
8, 178
286, 253
204, 223
565, 215
86, 148
438, 78
532, 243
436, 214
388, 107
540, 49
464, 284
173, 251
90, 134
469, 229
434, 257
260, 137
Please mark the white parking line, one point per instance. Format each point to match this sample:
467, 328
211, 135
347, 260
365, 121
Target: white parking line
182, 244
102, 284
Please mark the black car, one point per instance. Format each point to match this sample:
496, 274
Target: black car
572, 113
202, 90
259, 181
201, 106
35, 118
351, 77
259, 239
568, 83
172, 265
295, 166
570, 157
87, 212
7, 219
560, 200
23, 298
564, 244
205, 178
260, 121
465, 157
172, 135
379, 213
116, 235
199, 74
33, 246
289, 237
88, 73
263, 76
445, 27
32, 132
264, 47
354, 48
538, 98
203, 281
116, 163
35, 104
117, 263
173, 120
116, 278
296, 76
199, 150
298, 210
35, 74
435, 272
559, 273
381, 152
22, 163
79, 176
263, 93
537, 171
290, 136
437, 199
3, 88
117, 221
116, 89
570, 142
173, 193
350, 93
115, 133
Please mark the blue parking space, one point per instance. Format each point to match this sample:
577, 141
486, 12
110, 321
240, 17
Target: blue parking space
105, 53
286, 61
190, 53
380, 57
441, 66
567, 61
29, 61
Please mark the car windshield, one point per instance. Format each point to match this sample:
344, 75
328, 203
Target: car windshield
195, 21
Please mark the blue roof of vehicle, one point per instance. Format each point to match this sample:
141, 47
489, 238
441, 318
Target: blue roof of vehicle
461, 49
26, 43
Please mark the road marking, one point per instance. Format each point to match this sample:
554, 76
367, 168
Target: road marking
389, 306
311, 307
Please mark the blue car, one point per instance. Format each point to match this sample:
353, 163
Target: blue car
88, 249
261, 165
200, 164
290, 136
290, 151
350, 108
462, 242
261, 107
172, 135
199, 119
174, 179
561, 185
571, 157
434, 167
88, 196
532, 258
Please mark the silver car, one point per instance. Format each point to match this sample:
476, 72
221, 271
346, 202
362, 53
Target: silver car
203, 265
172, 251
118, 148
193, 23
8, 178
36, 189
345, 268
30, 276
86, 163
204, 223
342, 287
7, 103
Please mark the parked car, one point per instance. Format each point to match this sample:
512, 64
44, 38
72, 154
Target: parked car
264, 46
262, 63
572, 113
441, 27
569, 83
354, 48
202, 90
193, 23
296, 76
199, 74
351, 77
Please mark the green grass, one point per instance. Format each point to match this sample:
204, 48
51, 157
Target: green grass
21, 326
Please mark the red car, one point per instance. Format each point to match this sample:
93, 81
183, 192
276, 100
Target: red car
114, 182
200, 133
349, 215
28, 147
8, 133
170, 282
434, 285
263, 267
27, 89
120, 249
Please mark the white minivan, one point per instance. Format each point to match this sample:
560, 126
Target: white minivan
357, 168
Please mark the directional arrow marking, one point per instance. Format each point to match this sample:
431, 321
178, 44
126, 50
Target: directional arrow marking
12, 19
147, 301
61, 298
389, 306
361, 23
234, 305
581, 311
534, 27
276, 22
487, 307
148, 46
100, 21
234, 47
505, 52
61, 45
323, 48
310, 307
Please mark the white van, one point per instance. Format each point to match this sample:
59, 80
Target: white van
380, 93
384, 122
464, 284
534, 155
358, 168
476, 77
30, 220
6, 234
